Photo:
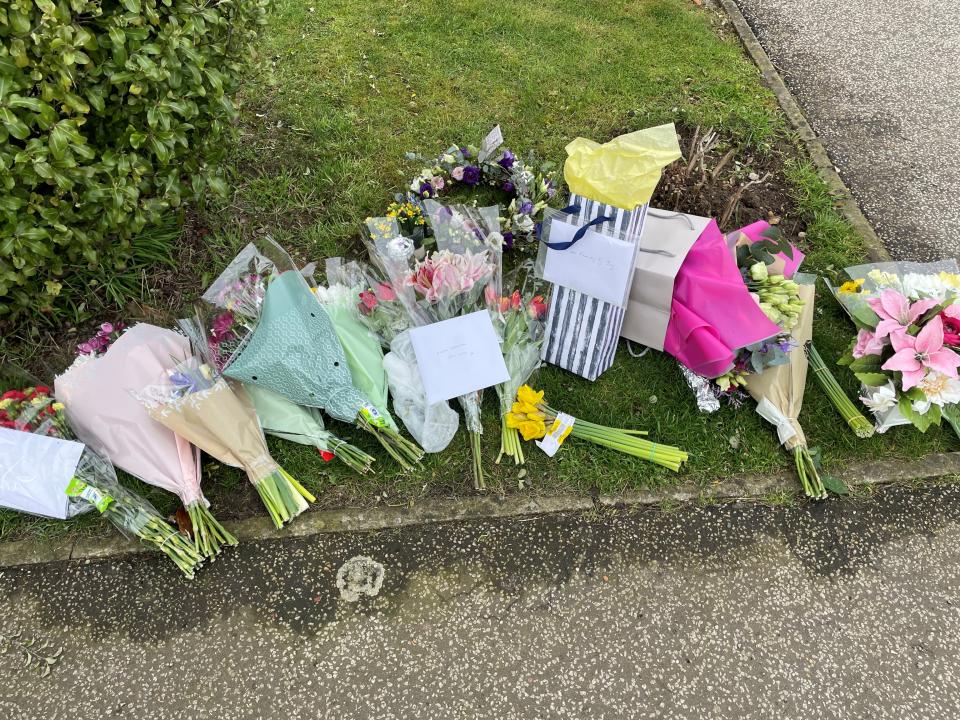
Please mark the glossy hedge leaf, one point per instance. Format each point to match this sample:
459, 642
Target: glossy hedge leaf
98, 158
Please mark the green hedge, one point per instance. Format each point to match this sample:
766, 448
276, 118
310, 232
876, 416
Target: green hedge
111, 113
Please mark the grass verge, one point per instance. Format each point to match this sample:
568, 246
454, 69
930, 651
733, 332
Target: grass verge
347, 88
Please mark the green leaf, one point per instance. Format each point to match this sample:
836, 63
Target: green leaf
132, 5
921, 422
30, 103
866, 364
834, 484
59, 141
872, 379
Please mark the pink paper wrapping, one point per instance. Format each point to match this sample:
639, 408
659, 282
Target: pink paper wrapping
105, 415
784, 265
713, 314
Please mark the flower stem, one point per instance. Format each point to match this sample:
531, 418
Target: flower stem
862, 427
478, 480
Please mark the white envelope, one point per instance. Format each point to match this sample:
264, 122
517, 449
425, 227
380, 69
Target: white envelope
597, 265
35, 471
458, 356
664, 243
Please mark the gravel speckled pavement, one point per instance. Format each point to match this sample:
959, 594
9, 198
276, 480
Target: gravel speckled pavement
846, 609
879, 83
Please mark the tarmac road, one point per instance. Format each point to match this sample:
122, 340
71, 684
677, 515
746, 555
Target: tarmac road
879, 83
846, 609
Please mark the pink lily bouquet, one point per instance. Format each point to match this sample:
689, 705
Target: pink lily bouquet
448, 282
907, 351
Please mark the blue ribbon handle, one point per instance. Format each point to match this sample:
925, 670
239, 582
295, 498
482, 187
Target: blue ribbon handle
581, 231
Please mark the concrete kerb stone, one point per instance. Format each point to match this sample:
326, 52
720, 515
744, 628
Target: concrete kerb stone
738, 488
818, 153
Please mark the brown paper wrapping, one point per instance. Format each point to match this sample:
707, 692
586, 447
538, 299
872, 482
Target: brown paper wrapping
223, 424
783, 385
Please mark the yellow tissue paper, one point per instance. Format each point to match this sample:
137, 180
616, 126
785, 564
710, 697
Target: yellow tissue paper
624, 171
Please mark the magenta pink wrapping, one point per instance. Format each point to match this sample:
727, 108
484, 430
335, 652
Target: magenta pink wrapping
713, 314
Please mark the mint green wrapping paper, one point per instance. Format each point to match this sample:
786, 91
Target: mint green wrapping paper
295, 352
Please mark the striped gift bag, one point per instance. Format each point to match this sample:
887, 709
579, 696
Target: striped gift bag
582, 331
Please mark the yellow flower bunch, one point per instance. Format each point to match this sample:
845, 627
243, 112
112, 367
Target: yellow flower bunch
884, 279
951, 280
852, 286
406, 212
526, 416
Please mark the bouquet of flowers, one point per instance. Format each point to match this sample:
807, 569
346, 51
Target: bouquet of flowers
98, 393
779, 391
528, 185
907, 348
196, 404
287, 342
519, 319
98, 344
778, 297
530, 415
433, 425
448, 282
44, 471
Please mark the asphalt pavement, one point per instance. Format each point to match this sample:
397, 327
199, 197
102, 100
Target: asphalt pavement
879, 83
845, 609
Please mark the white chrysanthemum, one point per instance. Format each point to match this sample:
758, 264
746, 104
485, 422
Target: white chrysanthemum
917, 286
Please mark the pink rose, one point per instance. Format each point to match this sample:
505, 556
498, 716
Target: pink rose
951, 326
457, 173
438, 182
868, 344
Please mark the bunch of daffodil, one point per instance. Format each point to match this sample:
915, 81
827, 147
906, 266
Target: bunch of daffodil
526, 417
532, 417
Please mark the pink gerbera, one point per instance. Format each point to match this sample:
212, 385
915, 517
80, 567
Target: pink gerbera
915, 354
896, 312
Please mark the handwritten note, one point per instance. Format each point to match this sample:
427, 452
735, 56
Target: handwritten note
491, 142
458, 356
597, 265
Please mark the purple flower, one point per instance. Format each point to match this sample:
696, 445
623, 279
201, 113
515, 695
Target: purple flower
508, 187
551, 190
465, 151
426, 190
471, 174
85, 349
507, 240
526, 207
506, 160
106, 328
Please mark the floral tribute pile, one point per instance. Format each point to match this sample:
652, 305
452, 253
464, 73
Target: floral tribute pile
270, 349
907, 349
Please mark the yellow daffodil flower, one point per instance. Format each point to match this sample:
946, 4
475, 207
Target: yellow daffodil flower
527, 394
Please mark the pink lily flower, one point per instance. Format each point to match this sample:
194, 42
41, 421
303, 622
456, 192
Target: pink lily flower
896, 312
914, 354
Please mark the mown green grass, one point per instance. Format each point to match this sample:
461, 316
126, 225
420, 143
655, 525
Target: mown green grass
347, 88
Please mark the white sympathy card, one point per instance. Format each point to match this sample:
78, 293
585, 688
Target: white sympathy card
35, 471
596, 265
458, 356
